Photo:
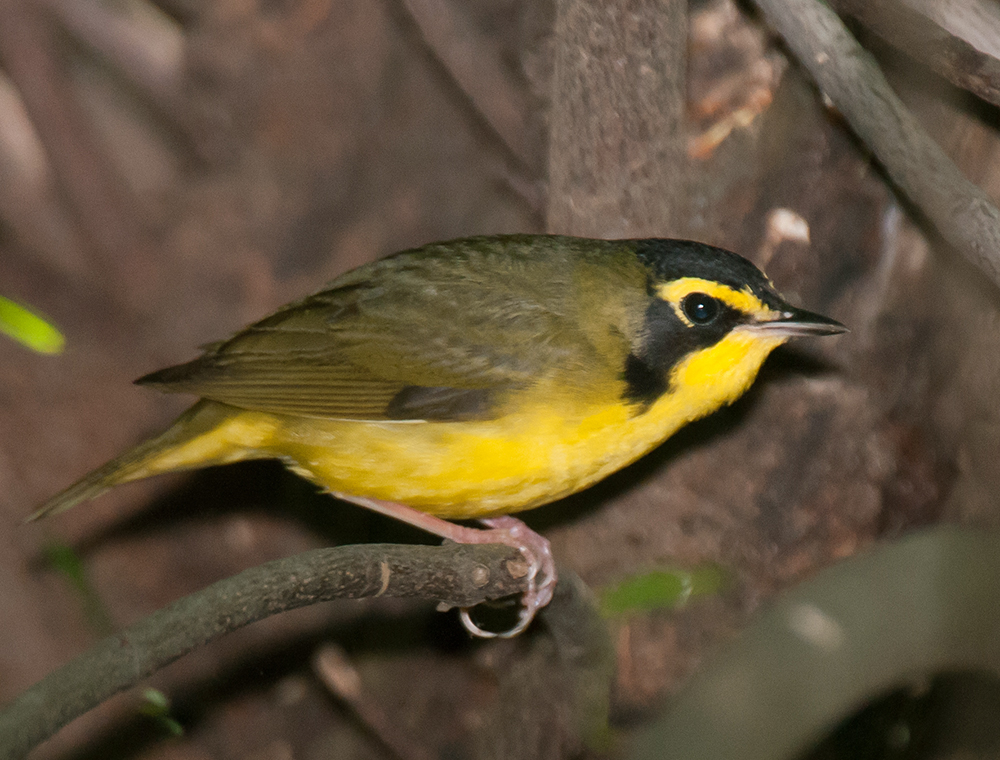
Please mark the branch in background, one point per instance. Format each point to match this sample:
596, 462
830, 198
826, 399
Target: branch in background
469, 58
962, 213
29, 203
148, 54
461, 575
919, 37
617, 152
184, 12
331, 665
895, 615
103, 209
974, 21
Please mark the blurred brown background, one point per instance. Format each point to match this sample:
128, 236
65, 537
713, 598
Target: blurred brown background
172, 170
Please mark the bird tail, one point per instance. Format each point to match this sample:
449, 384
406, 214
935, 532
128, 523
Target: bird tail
198, 438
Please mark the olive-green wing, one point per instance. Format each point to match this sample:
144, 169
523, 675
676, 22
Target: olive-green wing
418, 337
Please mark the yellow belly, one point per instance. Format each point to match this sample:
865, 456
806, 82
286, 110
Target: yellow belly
551, 444
463, 469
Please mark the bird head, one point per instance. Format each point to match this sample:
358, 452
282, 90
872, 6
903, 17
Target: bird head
712, 317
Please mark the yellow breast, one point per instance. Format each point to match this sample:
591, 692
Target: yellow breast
549, 444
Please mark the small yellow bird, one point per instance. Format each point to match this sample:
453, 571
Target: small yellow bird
475, 378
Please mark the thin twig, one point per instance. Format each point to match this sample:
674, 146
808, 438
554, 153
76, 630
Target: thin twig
962, 213
459, 574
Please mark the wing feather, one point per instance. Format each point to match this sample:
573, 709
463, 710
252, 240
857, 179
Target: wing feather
427, 334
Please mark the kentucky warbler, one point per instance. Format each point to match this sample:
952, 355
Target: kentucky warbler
475, 378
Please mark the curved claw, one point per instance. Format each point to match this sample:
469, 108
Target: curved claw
541, 572
523, 621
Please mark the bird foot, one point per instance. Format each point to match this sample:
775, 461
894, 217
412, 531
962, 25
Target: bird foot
541, 567
541, 570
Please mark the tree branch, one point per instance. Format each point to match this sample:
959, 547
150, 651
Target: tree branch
617, 153
459, 574
926, 604
919, 37
962, 213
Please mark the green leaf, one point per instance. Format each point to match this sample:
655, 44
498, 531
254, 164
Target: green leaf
660, 589
64, 560
29, 329
156, 705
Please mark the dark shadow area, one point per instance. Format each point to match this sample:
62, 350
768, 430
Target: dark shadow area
259, 671
950, 715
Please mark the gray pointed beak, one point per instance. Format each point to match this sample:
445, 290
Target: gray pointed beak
795, 323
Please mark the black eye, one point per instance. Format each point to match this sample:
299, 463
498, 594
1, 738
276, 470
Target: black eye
700, 308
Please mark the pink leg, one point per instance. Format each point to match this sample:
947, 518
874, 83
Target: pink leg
502, 530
